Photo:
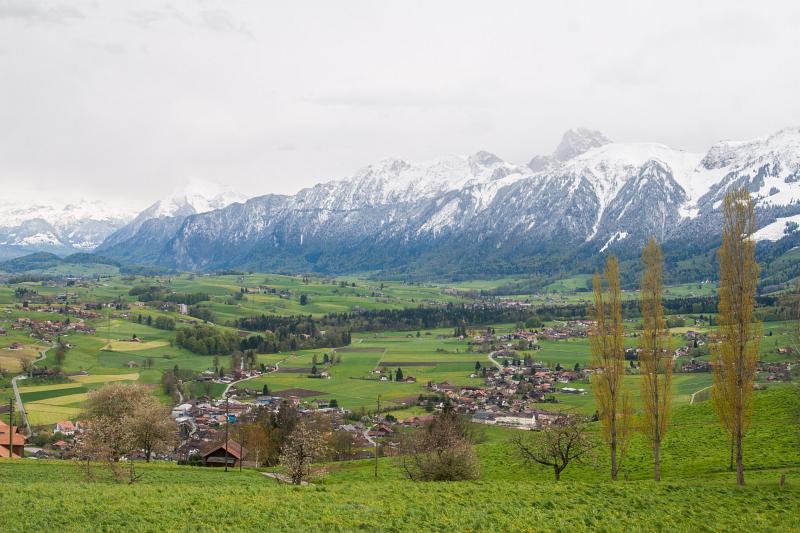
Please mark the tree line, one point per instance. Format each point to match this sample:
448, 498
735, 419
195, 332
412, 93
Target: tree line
734, 356
151, 293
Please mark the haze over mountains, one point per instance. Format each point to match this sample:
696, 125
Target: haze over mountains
457, 214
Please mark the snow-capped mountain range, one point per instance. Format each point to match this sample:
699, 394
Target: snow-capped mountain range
79, 226
193, 198
478, 213
83, 226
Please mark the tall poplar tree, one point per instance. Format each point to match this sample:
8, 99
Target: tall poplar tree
608, 359
655, 361
739, 330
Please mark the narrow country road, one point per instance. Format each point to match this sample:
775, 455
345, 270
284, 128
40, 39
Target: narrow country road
493, 360
232, 383
20, 406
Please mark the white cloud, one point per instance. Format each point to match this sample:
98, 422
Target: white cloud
37, 11
127, 100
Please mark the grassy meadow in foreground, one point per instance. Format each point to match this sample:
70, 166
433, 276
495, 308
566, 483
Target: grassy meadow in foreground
698, 492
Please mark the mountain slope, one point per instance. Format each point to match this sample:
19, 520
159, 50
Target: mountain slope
156, 224
39, 227
456, 213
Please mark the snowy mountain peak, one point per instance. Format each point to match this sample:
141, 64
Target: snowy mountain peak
575, 142
484, 159
81, 225
769, 167
395, 181
195, 196
606, 197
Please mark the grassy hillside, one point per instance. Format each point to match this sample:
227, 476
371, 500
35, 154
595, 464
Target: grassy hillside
48, 497
698, 493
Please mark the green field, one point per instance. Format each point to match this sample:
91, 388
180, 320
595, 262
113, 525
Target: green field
109, 354
698, 492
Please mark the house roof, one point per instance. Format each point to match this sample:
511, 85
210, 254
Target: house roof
4, 453
234, 449
17, 439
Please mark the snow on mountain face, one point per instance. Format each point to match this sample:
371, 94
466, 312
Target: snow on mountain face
769, 167
608, 168
395, 181
80, 226
604, 197
573, 143
578, 141
193, 198
779, 229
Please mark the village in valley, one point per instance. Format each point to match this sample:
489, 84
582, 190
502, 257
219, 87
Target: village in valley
507, 376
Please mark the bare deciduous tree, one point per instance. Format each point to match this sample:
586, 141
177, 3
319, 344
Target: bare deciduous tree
124, 418
565, 441
440, 451
654, 357
740, 332
303, 446
608, 358
151, 429
342, 444
26, 364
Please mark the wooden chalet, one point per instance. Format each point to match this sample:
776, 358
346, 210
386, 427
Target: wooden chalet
215, 455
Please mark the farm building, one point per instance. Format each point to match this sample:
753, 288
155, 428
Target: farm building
65, 427
216, 455
12, 443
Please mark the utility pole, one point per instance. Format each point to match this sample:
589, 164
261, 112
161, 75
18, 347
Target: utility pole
11, 428
227, 422
241, 446
108, 326
376, 442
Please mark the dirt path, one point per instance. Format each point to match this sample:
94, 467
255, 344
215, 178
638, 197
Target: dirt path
691, 400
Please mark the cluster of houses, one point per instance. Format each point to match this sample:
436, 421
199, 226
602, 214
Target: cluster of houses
202, 424
566, 330
779, 371
528, 339
510, 394
49, 330
71, 310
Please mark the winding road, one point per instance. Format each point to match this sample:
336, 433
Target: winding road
18, 398
232, 383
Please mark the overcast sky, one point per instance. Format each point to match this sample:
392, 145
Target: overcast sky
124, 101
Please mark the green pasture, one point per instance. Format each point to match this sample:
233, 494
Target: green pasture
697, 493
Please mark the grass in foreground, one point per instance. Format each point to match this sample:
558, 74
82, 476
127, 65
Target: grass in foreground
698, 493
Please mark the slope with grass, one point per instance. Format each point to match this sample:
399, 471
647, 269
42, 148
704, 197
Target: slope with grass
697, 494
